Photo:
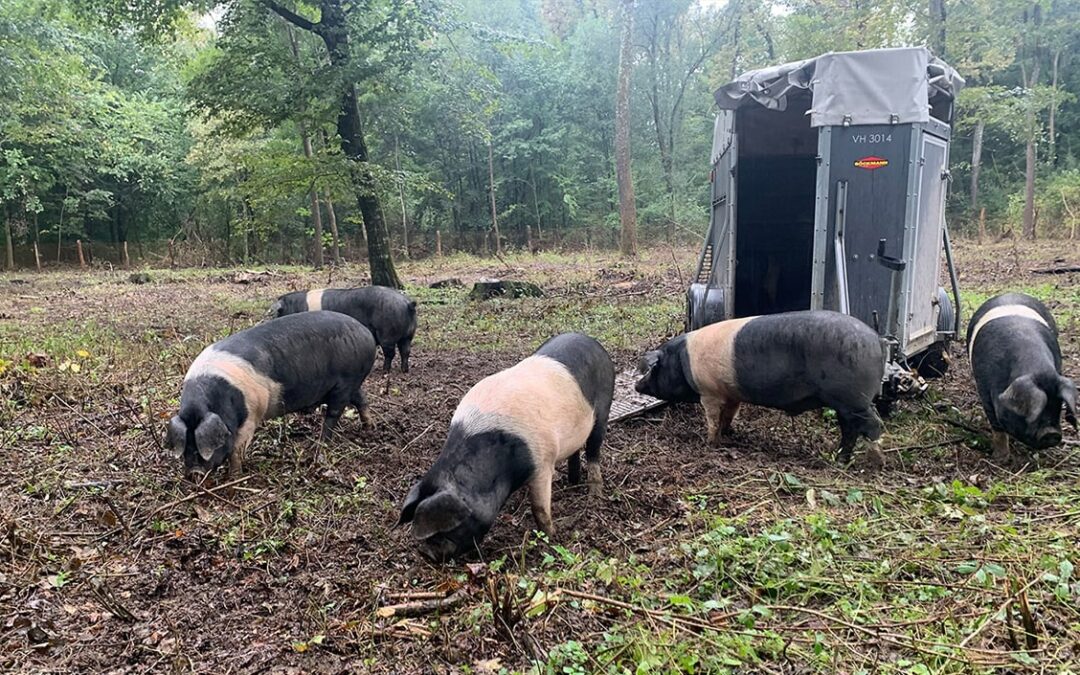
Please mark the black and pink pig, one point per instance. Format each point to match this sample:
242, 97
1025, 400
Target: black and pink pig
1015, 357
510, 430
389, 314
291, 364
794, 361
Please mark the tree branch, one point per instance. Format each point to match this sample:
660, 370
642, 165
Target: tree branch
289, 15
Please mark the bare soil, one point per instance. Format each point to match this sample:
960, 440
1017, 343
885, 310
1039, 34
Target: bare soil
110, 561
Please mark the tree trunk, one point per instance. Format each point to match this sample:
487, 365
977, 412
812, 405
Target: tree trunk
976, 163
9, 247
401, 196
313, 196
247, 231
937, 27
536, 203
316, 213
333, 29
60, 225
380, 260
1051, 140
1030, 159
335, 242
491, 191
1029, 190
624, 178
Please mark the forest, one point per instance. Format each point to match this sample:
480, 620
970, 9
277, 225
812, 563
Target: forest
259, 130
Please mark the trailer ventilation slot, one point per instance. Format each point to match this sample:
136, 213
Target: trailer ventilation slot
705, 268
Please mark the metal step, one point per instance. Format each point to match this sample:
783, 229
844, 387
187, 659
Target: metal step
705, 269
627, 402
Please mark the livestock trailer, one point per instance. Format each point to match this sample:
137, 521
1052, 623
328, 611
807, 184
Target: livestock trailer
828, 186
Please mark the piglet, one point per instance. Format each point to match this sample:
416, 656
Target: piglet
794, 361
509, 430
1015, 357
294, 363
389, 314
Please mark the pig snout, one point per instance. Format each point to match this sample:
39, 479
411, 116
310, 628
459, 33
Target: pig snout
438, 549
1047, 438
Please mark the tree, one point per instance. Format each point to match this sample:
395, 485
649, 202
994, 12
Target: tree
627, 208
334, 28
679, 39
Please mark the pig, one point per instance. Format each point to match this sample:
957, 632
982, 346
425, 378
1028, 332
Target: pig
509, 430
1013, 348
293, 363
390, 315
793, 361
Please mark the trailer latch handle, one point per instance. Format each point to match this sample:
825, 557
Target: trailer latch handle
894, 264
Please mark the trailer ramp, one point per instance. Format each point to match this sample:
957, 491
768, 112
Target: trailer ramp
627, 402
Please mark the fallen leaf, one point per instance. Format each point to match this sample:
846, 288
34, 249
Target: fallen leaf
488, 665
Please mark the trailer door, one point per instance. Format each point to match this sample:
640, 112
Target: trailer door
925, 259
717, 266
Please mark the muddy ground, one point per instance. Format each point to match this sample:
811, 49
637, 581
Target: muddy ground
110, 561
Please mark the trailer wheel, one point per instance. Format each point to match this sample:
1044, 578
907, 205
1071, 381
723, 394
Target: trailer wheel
704, 306
934, 362
946, 314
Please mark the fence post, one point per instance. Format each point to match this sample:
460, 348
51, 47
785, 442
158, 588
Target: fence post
127, 260
82, 260
438, 244
37, 256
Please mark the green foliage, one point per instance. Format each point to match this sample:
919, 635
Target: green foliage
135, 120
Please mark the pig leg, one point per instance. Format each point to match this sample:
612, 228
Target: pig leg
856, 424
592, 455
1000, 444
243, 438
573, 468
540, 499
359, 401
388, 355
714, 407
727, 415
236, 462
330, 420
405, 347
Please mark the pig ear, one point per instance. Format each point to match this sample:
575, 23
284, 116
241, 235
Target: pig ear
176, 436
649, 361
441, 512
1068, 395
1024, 398
408, 509
210, 435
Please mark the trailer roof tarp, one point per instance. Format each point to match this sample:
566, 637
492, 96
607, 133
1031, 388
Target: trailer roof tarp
878, 86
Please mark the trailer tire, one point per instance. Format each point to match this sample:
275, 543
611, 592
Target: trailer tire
946, 313
704, 306
934, 362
